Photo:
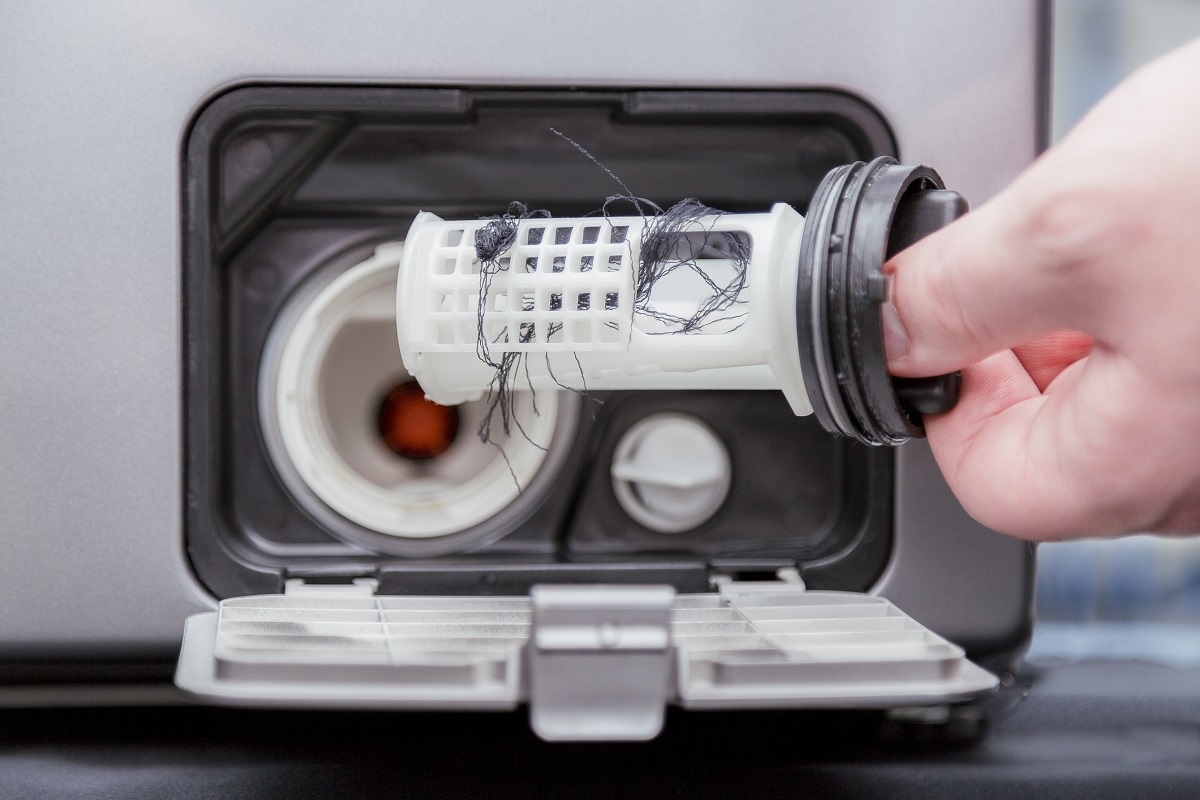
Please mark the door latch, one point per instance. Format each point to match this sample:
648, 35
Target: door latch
599, 661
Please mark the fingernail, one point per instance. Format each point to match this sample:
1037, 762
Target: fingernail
895, 338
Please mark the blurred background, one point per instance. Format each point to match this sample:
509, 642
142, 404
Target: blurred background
1137, 597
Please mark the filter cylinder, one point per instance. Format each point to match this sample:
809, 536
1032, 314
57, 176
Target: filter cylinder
728, 301
564, 297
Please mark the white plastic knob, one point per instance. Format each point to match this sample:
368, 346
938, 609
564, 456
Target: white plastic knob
671, 473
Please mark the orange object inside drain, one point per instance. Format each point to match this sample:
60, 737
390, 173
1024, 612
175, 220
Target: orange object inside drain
413, 427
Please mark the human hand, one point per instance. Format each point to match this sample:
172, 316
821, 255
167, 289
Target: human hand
1071, 301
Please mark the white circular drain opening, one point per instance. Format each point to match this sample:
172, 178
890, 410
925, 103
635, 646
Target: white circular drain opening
330, 360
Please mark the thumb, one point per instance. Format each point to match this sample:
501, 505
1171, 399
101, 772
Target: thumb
995, 278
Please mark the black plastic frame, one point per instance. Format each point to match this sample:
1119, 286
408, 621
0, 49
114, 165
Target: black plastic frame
231, 560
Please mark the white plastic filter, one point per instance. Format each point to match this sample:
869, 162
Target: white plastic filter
564, 298
338, 358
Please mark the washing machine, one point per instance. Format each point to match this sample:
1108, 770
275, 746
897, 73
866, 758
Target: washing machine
208, 425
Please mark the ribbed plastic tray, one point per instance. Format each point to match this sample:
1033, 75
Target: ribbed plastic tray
787, 649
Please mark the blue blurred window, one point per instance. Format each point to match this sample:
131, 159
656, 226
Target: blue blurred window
1137, 597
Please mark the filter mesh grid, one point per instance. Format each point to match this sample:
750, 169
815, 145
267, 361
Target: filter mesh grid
562, 284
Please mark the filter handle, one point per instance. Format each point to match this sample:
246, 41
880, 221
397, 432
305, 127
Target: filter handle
919, 214
861, 215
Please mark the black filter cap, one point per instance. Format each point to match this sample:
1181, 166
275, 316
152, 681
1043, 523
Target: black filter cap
862, 215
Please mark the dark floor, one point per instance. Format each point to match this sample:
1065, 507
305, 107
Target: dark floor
1102, 730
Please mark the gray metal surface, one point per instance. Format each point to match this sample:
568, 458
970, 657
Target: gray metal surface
968, 583
96, 100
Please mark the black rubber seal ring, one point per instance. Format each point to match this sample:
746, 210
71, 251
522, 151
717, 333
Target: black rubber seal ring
816, 362
839, 291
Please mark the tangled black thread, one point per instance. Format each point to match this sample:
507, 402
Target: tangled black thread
492, 241
628, 195
669, 241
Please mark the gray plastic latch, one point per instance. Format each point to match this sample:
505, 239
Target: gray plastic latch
599, 661
788, 582
359, 587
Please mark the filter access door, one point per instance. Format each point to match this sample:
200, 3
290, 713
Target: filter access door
594, 662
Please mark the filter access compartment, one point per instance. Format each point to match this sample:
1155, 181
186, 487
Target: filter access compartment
287, 188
